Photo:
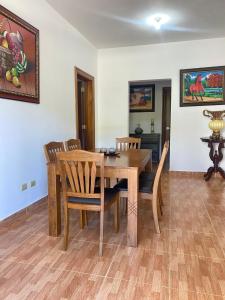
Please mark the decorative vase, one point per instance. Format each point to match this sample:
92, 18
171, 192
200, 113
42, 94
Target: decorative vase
152, 126
217, 123
138, 129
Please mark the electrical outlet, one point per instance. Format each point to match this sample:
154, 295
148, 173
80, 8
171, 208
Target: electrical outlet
24, 187
33, 183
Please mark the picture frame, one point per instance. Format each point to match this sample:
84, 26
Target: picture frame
19, 59
202, 86
142, 98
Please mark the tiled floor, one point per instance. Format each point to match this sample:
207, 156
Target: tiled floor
187, 261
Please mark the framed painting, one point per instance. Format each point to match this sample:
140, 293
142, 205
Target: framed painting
19, 58
142, 98
202, 86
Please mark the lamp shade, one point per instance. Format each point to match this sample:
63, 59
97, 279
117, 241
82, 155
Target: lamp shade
216, 125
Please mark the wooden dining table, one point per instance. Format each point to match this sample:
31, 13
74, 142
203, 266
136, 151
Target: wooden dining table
127, 164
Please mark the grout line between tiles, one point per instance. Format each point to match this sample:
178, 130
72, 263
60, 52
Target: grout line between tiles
215, 232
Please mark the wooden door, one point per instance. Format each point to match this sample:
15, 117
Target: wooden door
166, 115
82, 96
85, 109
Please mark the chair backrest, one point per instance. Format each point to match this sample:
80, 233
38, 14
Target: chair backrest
126, 143
51, 149
160, 168
78, 170
72, 144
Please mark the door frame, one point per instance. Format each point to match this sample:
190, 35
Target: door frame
78, 73
164, 92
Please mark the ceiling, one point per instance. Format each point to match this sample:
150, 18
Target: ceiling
117, 23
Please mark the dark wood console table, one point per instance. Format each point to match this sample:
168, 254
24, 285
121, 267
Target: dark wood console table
215, 155
150, 141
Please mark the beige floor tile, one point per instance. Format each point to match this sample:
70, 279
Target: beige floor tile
149, 239
140, 265
117, 289
83, 257
192, 221
194, 243
184, 295
197, 274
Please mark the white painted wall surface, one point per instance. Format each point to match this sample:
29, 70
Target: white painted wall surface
144, 118
24, 127
118, 66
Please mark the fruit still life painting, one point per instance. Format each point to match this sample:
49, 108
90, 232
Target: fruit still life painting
142, 98
19, 58
203, 86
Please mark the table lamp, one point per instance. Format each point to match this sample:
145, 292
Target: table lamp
217, 123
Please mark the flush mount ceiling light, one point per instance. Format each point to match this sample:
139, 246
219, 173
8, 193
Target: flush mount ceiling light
157, 20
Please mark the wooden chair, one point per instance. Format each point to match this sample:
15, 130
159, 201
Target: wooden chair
72, 144
51, 149
149, 187
126, 143
78, 174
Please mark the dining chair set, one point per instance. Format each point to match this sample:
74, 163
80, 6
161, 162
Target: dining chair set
83, 183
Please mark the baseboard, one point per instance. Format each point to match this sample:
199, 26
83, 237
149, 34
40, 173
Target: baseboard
186, 173
25, 211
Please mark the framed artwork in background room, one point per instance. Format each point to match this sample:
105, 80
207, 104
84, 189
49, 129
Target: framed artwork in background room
142, 98
202, 86
19, 58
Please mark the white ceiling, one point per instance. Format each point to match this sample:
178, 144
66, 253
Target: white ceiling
116, 23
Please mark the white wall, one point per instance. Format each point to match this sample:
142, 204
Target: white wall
24, 127
118, 66
144, 118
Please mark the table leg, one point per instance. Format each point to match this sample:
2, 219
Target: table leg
221, 171
132, 214
148, 166
209, 173
216, 156
54, 207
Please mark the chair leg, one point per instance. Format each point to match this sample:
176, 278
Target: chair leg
159, 208
160, 195
82, 219
117, 215
101, 232
155, 213
124, 206
85, 217
66, 226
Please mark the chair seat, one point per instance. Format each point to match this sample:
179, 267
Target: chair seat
109, 195
146, 180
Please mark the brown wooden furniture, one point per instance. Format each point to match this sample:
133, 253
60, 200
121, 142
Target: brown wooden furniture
150, 141
125, 143
128, 165
150, 187
72, 144
216, 156
54, 207
51, 149
78, 170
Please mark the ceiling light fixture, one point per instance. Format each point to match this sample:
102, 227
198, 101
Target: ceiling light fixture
157, 20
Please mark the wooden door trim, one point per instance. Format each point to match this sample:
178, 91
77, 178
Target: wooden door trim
165, 88
83, 74
91, 83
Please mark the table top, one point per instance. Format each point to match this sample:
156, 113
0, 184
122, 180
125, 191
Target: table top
209, 139
133, 158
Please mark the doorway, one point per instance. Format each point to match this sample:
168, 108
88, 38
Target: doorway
85, 109
150, 123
